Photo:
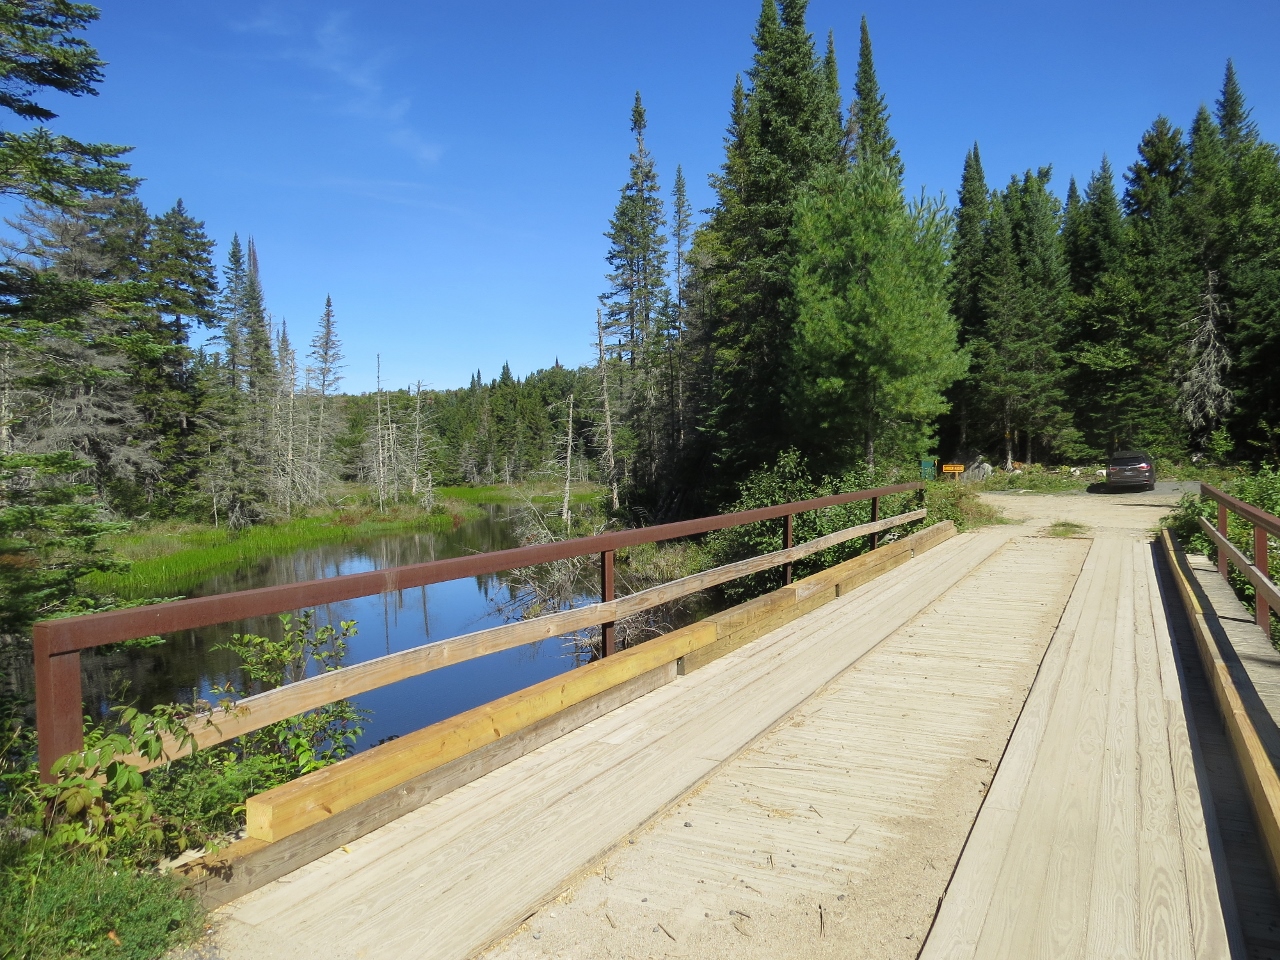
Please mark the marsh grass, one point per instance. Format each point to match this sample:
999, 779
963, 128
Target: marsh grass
171, 558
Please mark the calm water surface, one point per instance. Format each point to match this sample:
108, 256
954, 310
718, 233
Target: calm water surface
187, 666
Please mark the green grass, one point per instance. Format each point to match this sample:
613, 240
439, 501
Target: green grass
56, 905
948, 500
170, 558
536, 492
1065, 528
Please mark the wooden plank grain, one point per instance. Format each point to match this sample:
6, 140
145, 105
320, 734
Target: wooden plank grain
310, 799
251, 863
1112, 924
1164, 915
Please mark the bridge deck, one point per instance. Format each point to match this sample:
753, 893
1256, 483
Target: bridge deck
843, 820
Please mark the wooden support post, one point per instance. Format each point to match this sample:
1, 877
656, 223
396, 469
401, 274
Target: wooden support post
59, 704
788, 541
1222, 529
607, 630
1262, 562
875, 515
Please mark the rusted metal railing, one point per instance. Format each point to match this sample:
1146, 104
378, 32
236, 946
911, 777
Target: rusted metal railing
1257, 572
58, 643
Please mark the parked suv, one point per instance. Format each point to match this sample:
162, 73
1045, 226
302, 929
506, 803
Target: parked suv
1130, 468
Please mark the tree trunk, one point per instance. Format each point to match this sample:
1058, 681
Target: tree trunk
568, 467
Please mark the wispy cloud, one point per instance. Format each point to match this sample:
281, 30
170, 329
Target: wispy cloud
331, 46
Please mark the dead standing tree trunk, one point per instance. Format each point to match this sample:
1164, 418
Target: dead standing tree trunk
610, 464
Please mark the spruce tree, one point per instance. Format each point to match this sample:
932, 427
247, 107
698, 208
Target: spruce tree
782, 132
872, 142
637, 253
971, 215
1093, 231
180, 269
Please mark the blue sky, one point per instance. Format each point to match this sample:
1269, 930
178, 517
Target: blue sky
445, 171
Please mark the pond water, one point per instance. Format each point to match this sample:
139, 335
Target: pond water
187, 666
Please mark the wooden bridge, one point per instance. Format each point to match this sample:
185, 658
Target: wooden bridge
992, 744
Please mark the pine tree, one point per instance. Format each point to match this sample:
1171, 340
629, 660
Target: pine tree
875, 343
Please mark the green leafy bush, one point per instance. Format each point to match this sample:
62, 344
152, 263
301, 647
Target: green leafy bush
787, 481
1262, 489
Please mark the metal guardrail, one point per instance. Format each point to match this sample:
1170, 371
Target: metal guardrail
58, 643
1257, 572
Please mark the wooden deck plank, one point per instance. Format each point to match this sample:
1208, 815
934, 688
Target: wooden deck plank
793, 821
1164, 925
1011, 921
1112, 927
535, 810
1093, 842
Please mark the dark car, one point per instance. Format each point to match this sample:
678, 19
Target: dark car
1131, 468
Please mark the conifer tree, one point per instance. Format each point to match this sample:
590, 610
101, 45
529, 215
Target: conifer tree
872, 142
971, 215
180, 269
875, 345
637, 252
782, 132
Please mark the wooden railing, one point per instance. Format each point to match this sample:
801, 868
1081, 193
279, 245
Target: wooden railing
1257, 572
58, 643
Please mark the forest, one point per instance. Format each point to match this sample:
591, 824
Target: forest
815, 307
816, 322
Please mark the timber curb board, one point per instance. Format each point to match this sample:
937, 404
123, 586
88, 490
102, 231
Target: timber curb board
1260, 778
254, 861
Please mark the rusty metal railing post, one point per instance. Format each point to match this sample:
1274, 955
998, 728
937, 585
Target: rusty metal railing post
875, 515
59, 703
788, 541
608, 639
1261, 560
1222, 529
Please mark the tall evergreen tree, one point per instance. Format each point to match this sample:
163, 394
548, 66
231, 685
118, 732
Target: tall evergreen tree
972, 213
875, 344
781, 133
872, 142
637, 254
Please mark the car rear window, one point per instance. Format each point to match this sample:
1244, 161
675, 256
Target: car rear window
1128, 461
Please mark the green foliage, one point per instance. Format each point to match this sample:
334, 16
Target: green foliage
874, 341
786, 481
783, 130
318, 737
98, 802
1262, 489
55, 906
50, 538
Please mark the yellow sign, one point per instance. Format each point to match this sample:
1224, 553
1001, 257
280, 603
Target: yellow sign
953, 468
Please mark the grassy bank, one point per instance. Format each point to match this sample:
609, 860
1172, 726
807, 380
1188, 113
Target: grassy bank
539, 493
170, 558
